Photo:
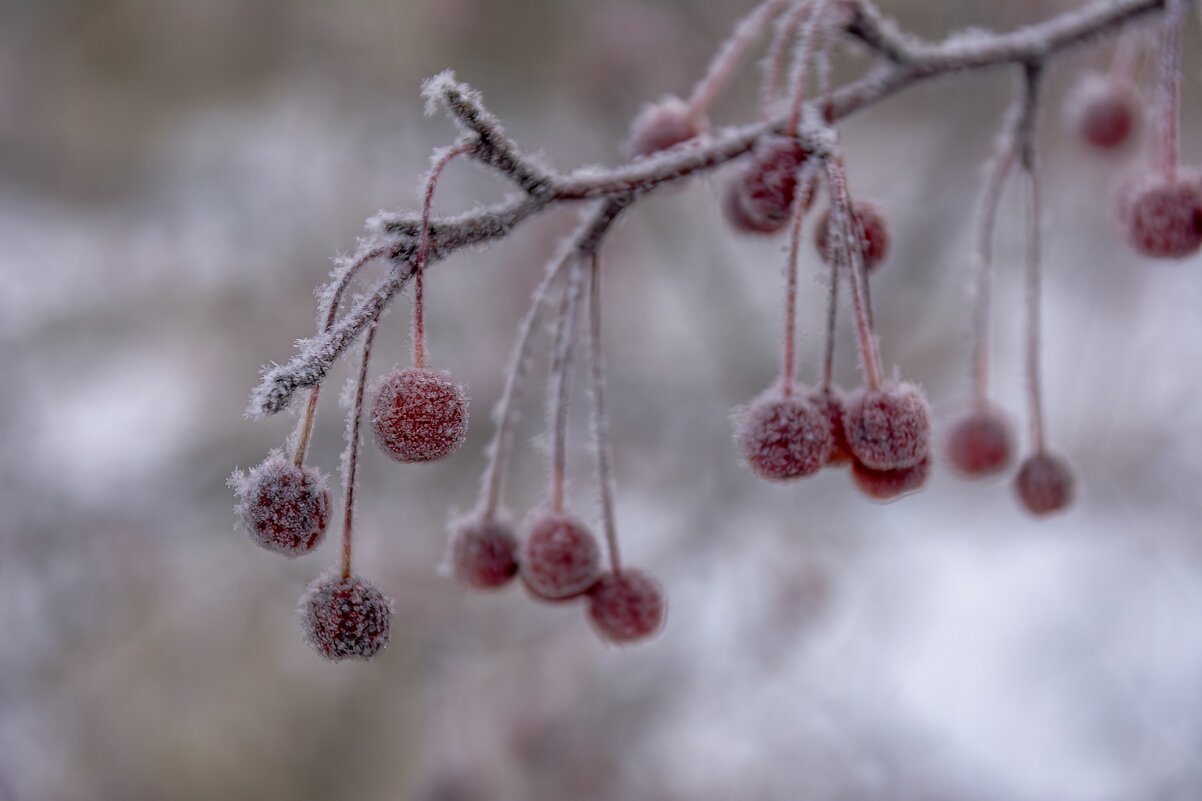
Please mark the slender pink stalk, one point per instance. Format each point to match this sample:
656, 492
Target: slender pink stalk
726, 60
600, 418
803, 58
995, 181
1033, 323
561, 373
832, 321
350, 462
788, 357
773, 64
1169, 101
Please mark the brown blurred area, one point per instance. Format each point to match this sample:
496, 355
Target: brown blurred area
174, 179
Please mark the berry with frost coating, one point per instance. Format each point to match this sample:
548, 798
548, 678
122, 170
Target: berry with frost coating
626, 607
283, 507
889, 485
661, 125
760, 199
783, 437
419, 415
483, 552
874, 235
1103, 111
1045, 483
559, 557
889, 428
980, 444
1164, 217
345, 618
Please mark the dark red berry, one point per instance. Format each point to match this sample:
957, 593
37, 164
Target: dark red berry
626, 607
830, 402
761, 198
1103, 111
889, 428
345, 618
1045, 483
483, 552
874, 238
980, 444
1164, 218
419, 415
283, 507
783, 438
559, 557
889, 485
661, 125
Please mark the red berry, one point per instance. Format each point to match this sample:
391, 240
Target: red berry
1103, 111
1164, 218
345, 618
419, 415
874, 235
284, 508
761, 198
483, 552
889, 428
783, 438
830, 402
888, 485
1044, 483
559, 557
980, 444
626, 607
661, 125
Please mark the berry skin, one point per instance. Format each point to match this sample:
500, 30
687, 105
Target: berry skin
980, 444
874, 239
626, 607
783, 438
1164, 218
559, 557
831, 403
284, 508
1045, 484
483, 552
889, 485
419, 415
889, 428
761, 198
345, 618
1103, 111
661, 125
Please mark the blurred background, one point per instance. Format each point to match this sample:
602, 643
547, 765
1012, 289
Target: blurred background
174, 179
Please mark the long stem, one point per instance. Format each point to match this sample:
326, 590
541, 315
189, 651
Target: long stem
600, 418
1169, 105
832, 320
999, 169
727, 58
423, 247
773, 63
350, 459
788, 356
561, 374
803, 57
1034, 381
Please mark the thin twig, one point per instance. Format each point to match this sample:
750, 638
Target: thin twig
350, 462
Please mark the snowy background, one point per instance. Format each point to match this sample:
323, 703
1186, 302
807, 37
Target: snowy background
174, 178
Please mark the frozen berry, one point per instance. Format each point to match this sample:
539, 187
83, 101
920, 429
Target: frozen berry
783, 437
889, 428
830, 402
1044, 483
559, 557
888, 485
1103, 111
483, 552
626, 607
874, 235
345, 618
980, 444
1164, 218
284, 508
761, 198
419, 415
661, 125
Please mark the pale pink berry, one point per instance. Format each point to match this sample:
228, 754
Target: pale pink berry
889, 428
283, 507
626, 607
783, 437
1103, 111
889, 485
831, 402
483, 552
761, 197
345, 618
661, 125
874, 235
1164, 217
419, 415
980, 444
1045, 483
559, 557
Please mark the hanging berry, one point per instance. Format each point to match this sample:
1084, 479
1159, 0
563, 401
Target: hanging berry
345, 617
284, 508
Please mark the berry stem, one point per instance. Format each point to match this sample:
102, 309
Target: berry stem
995, 182
788, 356
441, 160
1169, 105
561, 373
600, 418
845, 237
1125, 62
726, 60
774, 60
832, 320
803, 57
1034, 382
350, 459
